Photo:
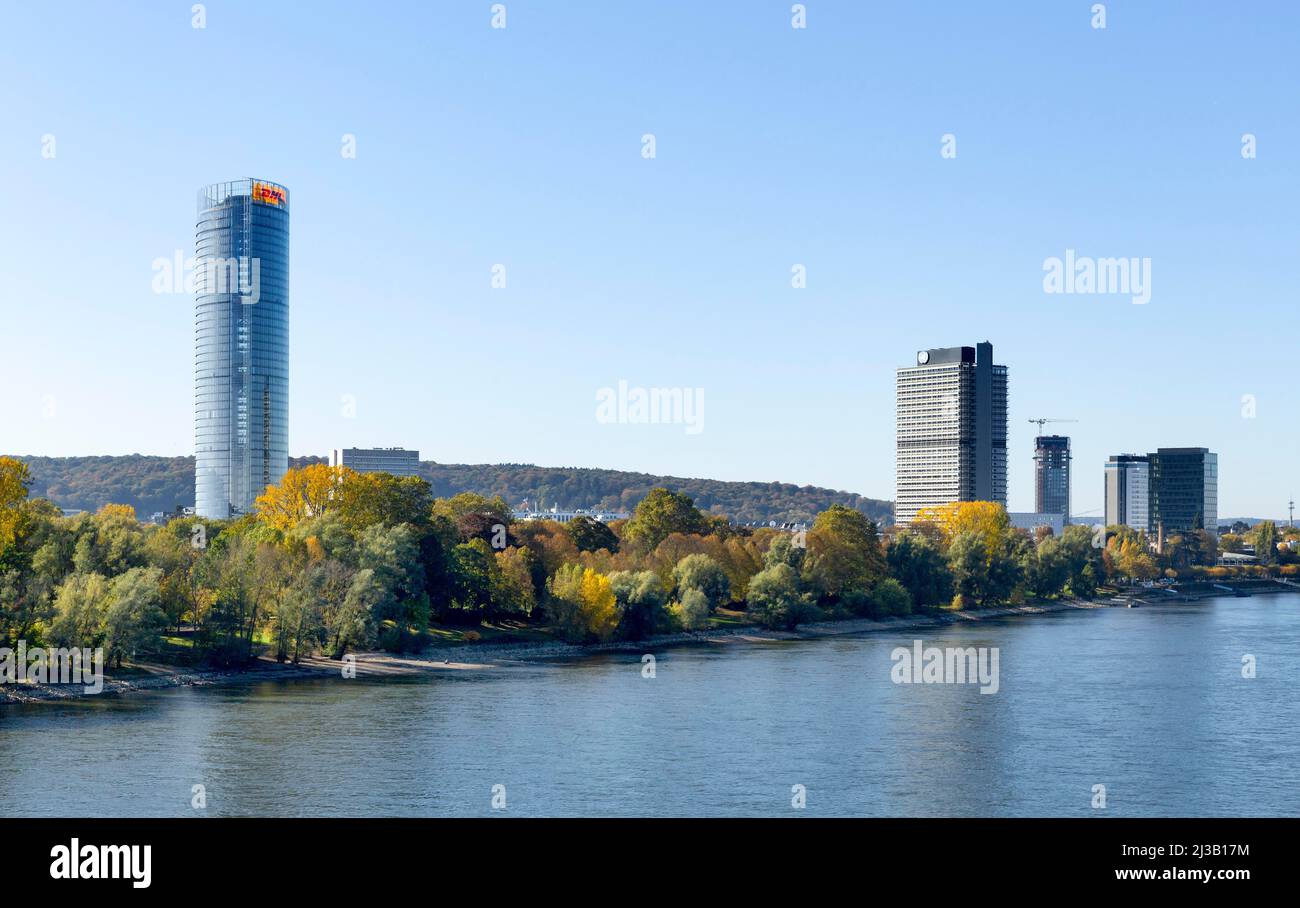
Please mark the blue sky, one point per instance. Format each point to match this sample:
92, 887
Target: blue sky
774, 147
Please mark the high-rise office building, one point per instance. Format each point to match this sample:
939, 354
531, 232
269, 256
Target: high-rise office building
952, 430
398, 461
241, 345
1127, 487
1052, 475
1184, 494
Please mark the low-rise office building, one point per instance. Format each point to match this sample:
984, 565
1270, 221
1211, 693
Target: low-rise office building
397, 461
1031, 521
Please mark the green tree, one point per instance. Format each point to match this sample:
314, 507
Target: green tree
774, 597
134, 617
109, 543
470, 579
1264, 538
641, 599
692, 610
1128, 554
323, 586
590, 535
170, 550
1046, 568
659, 514
700, 572
14, 483
393, 554
371, 498
330, 535
582, 604
243, 578
476, 517
80, 605
844, 553
1231, 542
1084, 560
512, 583
1207, 548
32, 566
310, 608
920, 566
982, 577
354, 624
1179, 553
784, 551
890, 598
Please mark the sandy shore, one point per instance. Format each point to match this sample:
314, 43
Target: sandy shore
485, 656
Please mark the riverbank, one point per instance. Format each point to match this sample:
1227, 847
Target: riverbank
487, 655
1196, 590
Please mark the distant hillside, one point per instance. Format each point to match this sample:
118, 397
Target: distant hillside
149, 484
161, 483
617, 490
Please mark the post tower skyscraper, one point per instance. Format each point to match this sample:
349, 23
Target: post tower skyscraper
241, 345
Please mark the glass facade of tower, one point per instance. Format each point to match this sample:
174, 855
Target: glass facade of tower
1052, 475
1184, 493
241, 345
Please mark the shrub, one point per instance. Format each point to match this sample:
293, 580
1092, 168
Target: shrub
890, 598
692, 612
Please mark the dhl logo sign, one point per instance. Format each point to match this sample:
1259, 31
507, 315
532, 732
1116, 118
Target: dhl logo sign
268, 194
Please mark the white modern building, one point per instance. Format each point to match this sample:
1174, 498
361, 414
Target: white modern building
952, 430
565, 516
397, 461
1128, 486
1031, 521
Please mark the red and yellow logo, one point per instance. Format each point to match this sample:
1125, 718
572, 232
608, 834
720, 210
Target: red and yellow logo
268, 194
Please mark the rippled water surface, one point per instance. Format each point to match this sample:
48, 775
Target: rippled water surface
1149, 702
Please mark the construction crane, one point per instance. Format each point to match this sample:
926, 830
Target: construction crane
1041, 421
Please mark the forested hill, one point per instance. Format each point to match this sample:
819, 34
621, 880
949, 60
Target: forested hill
152, 484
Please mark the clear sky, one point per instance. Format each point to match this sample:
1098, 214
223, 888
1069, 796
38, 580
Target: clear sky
774, 147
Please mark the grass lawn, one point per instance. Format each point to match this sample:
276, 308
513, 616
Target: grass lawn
725, 617
506, 631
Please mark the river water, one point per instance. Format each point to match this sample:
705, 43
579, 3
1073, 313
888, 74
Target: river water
1149, 702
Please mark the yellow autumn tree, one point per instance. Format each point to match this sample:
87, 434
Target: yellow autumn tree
1132, 558
600, 606
303, 494
315, 551
582, 604
986, 519
125, 511
14, 480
